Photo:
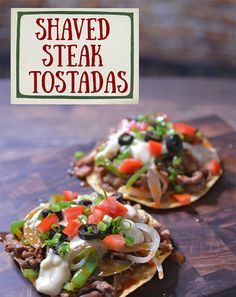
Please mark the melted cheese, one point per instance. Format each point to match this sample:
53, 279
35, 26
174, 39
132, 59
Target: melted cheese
54, 272
141, 152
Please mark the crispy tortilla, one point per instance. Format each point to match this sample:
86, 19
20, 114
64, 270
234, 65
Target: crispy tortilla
143, 196
130, 280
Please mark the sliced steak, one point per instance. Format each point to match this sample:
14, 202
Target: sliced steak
26, 256
106, 289
83, 171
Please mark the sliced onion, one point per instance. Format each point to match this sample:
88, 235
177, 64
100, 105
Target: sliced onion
159, 267
154, 184
155, 238
76, 266
164, 181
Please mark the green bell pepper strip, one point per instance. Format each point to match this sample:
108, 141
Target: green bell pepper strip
136, 176
30, 274
81, 276
16, 227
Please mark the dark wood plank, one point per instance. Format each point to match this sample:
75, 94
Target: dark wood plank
205, 231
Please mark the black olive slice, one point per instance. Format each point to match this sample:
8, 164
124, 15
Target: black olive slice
125, 139
174, 143
88, 231
45, 213
59, 214
85, 202
150, 135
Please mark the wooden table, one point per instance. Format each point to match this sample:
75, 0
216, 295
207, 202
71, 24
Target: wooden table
37, 144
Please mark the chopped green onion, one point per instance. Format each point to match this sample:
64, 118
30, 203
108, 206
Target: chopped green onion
116, 224
44, 235
107, 219
138, 134
142, 118
150, 128
30, 274
53, 242
54, 207
158, 253
129, 240
179, 188
64, 249
56, 228
83, 219
177, 161
136, 176
122, 156
171, 177
90, 229
58, 206
102, 226
87, 211
172, 170
78, 155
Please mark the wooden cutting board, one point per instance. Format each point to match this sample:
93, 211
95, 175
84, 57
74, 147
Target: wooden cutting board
205, 231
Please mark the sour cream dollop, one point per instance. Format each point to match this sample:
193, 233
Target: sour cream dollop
54, 272
141, 152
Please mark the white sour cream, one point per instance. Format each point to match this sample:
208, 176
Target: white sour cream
111, 146
54, 272
141, 152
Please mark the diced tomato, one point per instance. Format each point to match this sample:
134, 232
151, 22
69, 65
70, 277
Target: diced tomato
69, 195
114, 242
71, 228
47, 223
183, 199
129, 165
184, 129
112, 207
214, 167
73, 212
96, 215
155, 148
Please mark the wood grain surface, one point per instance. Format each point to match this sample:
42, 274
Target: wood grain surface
27, 130
205, 231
